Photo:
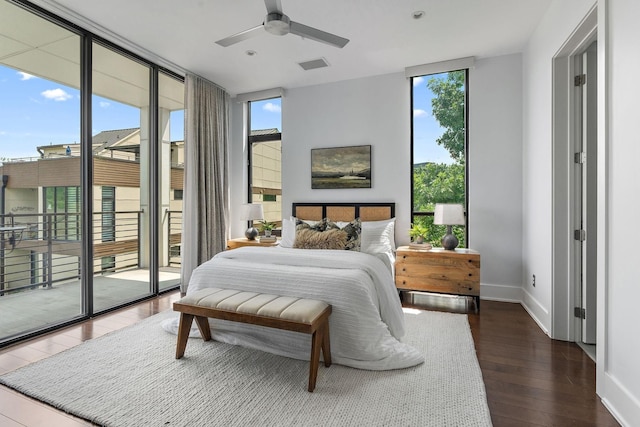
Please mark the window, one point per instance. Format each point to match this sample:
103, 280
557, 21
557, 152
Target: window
439, 148
265, 158
72, 147
63, 206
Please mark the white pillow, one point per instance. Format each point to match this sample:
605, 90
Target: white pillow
378, 237
288, 232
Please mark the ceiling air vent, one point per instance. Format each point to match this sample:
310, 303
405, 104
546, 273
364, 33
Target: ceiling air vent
313, 64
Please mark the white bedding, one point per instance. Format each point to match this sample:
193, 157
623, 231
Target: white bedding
366, 323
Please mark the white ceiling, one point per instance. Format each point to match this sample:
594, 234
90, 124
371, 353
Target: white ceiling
384, 38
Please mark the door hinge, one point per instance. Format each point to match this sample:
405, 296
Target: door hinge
579, 312
580, 157
580, 235
580, 79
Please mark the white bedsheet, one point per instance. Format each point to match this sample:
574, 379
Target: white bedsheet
366, 323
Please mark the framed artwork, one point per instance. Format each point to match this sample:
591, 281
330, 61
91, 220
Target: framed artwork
341, 167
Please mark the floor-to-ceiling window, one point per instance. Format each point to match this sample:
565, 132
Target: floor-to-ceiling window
121, 159
439, 149
40, 168
265, 160
82, 173
171, 177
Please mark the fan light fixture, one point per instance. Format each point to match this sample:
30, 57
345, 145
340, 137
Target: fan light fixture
279, 24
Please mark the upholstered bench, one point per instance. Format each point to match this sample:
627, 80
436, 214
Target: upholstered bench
273, 311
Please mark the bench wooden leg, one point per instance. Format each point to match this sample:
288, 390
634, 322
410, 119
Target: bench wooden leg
203, 326
183, 333
316, 344
326, 345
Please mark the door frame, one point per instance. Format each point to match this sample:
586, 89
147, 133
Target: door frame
592, 27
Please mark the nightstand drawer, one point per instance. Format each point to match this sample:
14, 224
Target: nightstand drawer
451, 272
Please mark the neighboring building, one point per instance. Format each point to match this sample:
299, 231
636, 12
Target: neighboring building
43, 196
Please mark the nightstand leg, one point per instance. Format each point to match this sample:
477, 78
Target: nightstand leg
477, 304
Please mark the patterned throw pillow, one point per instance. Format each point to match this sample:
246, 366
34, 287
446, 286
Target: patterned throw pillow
306, 238
353, 230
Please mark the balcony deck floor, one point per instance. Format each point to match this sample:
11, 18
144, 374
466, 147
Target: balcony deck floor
42, 307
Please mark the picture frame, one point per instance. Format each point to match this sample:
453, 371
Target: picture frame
341, 167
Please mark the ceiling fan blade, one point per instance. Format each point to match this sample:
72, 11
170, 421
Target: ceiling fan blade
246, 34
317, 35
273, 6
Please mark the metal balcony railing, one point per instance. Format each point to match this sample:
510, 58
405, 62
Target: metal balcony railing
38, 250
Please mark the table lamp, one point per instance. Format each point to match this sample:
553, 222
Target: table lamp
449, 214
251, 212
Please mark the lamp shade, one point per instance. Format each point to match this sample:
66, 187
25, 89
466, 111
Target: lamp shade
251, 211
448, 214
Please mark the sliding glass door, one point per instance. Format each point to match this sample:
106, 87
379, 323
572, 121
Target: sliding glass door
91, 174
40, 158
121, 185
170, 179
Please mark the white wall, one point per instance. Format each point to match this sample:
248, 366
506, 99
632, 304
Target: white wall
371, 111
495, 173
620, 385
376, 111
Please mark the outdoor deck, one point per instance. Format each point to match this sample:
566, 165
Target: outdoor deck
42, 306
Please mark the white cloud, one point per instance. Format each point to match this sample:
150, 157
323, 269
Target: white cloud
104, 104
25, 76
272, 108
56, 94
419, 113
418, 80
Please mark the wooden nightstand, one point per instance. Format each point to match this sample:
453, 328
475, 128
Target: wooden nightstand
438, 270
243, 241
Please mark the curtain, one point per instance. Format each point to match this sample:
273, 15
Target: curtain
206, 194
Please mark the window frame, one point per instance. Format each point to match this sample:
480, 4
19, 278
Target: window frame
466, 149
256, 139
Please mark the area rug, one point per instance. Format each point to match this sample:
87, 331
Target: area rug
131, 378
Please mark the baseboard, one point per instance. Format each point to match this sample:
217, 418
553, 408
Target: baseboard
502, 293
536, 310
620, 402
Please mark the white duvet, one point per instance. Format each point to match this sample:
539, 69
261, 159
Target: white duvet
366, 323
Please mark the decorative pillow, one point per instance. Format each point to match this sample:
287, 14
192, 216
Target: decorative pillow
313, 225
306, 238
352, 229
378, 237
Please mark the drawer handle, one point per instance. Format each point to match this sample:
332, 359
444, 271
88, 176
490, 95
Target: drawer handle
404, 269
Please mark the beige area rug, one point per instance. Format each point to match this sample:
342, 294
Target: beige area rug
131, 378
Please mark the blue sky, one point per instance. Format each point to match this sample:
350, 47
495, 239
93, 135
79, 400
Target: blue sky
266, 114
36, 112
426, 128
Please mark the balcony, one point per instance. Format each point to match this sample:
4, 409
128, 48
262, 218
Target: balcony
40, 265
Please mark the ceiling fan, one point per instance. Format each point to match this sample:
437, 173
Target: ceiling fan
279, 24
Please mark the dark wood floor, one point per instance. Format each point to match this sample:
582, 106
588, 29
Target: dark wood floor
530, 379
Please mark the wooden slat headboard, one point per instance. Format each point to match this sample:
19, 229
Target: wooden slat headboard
344, 211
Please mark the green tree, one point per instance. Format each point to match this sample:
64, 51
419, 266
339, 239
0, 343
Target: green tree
448, 106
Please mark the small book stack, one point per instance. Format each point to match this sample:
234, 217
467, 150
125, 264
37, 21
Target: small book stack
421, 246
270, 239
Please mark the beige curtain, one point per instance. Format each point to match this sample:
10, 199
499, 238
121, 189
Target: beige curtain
206, 194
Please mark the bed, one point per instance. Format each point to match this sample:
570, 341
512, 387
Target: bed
367, 322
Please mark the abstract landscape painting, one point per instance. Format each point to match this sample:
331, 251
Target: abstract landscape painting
341, 167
